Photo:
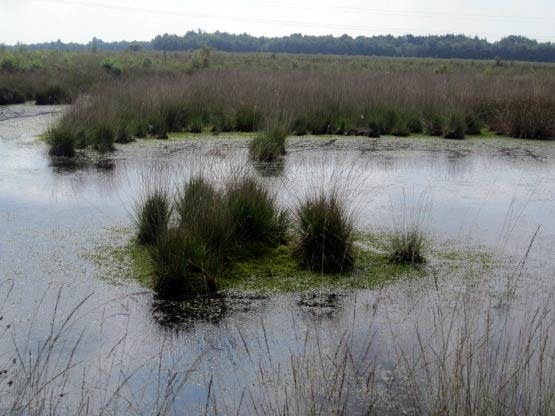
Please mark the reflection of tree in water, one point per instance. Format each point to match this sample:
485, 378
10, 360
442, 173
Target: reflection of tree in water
184, 314
269, 170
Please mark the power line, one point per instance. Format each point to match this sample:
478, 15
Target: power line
281, 22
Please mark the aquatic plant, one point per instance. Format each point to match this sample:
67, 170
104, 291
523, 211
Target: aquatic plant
325, 232
152, 216
268, 146
407, 245
255, 213
61, 141
456, 127
180, 265
203, 215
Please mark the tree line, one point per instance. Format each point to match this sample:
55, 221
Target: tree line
442, 46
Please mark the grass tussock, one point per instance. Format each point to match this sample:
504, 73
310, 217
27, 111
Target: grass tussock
52, 95
325, 233
407, 245
11, 96
269, 146
152, 216
213, 226
61, 141
456, 127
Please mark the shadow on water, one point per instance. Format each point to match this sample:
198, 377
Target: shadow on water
66, 166
270, 170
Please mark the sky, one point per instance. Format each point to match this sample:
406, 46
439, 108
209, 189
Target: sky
35, 21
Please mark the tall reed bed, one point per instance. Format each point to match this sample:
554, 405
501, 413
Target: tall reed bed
319, 102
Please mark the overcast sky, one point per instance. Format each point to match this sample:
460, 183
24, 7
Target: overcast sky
32, 21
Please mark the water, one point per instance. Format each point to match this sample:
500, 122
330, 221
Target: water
485, 195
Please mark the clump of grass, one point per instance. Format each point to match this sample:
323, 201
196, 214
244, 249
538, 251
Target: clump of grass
269, 146
179, 264
528, 118
325, 233
203, 214
152, 216
52, 96
255, 214
103, 140
401, 128
407, 245
473, 124
247, 119
122, 136
11, 96
61, 141
434, 125
455, 127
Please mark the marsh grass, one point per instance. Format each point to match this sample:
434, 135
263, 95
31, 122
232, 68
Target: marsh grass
408, 242
268, 146
326, 232
456, 127
61, 141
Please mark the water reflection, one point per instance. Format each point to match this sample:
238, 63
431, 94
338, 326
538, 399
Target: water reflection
270, 170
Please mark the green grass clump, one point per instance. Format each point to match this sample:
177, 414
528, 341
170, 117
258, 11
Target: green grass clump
268, 147
473, 124
103, 139
255, 214
247, 119
433, 124
152, 216
203, 214
179, 263
455, 127
52, 96
11, 96
61, 141
407, 246
326, 233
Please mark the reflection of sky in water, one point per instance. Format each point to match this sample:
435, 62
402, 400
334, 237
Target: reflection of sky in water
496, 191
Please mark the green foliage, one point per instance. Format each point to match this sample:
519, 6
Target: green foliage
11, 96
254, 212
406, 246
455, 127
52, 95
152, 216
103, 139
326, 233
247, 119
61, 141
473, 124
179, 264
434, 124
270, 146
195, 124
203, 215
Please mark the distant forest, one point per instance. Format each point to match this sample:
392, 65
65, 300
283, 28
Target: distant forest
444, 46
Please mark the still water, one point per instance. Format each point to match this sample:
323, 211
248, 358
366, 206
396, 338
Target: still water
482, 195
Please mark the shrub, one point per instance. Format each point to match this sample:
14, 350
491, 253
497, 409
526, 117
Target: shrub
247, 119
11, 96
326, 233
270, 146
203, 215
407, 246
254, 212
455, 127
152, 216
179, 264
52, 96
61, 141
